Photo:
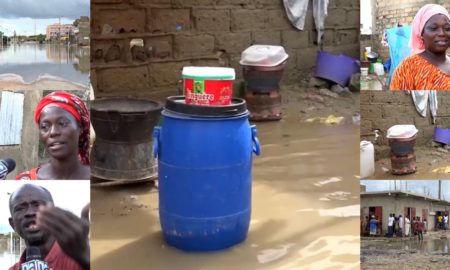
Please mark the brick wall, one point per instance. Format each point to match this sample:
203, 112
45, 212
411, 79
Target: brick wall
178, 33
389, 13
381, 110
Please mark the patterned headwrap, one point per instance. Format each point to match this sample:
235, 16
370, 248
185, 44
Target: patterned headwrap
421, 18
75, 106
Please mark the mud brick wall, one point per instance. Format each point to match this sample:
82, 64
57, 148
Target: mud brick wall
177, 33
389, 13
381, 110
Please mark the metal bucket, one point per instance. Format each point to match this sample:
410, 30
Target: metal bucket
123, 143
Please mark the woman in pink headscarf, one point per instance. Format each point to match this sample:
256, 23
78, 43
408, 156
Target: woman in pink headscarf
428, 67
64, 130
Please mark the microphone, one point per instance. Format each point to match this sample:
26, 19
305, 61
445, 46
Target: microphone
7, 165
34, 260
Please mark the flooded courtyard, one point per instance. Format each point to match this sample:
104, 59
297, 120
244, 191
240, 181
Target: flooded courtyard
33, 62
305, 204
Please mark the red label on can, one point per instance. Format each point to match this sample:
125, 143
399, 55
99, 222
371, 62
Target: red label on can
208, 92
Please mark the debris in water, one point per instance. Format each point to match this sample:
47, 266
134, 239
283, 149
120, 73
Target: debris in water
445, 169
330, 120
331, 180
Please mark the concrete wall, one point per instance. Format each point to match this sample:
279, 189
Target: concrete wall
396, 204
25, 154
178, 33
389, 13
383, 109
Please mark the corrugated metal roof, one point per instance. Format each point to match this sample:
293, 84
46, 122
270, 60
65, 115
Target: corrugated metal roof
11, 118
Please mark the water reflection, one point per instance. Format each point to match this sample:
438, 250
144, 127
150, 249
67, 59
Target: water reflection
7, 259
32, 60
440, 246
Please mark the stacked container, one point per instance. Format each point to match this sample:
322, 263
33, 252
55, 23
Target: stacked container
402, 139
263, 67
209, 86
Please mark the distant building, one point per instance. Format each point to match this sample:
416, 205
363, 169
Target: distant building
59, 31
383, 203
82, 30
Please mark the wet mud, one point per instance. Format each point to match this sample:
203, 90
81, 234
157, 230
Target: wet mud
407, 253
431, 164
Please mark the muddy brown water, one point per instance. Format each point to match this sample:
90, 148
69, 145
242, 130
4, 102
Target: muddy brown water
427, 246
305, 209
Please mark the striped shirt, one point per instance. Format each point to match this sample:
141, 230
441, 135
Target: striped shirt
416, 73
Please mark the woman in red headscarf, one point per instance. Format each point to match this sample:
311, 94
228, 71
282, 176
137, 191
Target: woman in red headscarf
429, 66
64, 129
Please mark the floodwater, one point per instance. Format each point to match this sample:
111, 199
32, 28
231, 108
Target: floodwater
31, 61
436, 246
305, 209
431, 253
7, 259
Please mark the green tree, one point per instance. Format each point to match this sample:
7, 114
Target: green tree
40, 38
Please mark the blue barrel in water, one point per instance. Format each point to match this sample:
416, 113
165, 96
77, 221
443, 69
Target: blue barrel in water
205, 172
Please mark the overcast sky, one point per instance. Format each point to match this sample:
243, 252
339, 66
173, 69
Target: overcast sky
69, 195
424, 187
20, 15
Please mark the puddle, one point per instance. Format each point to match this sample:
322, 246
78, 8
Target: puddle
427, 246
430, 253
291, 227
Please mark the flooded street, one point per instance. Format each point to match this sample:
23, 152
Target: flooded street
7, 259
431, 253
32, 61
305, 207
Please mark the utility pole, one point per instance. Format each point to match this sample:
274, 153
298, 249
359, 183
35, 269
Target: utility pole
439, 190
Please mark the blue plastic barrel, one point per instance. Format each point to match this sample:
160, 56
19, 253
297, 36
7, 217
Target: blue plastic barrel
205, 172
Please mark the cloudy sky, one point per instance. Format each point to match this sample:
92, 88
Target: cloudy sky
424, 187
70, 195
21, 15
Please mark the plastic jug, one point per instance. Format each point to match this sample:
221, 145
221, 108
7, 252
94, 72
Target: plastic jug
379, 69
367, 159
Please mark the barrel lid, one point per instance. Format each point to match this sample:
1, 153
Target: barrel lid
263, 56
212, 73
177, 104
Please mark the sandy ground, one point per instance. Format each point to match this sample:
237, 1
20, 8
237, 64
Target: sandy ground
305, 200
406, 253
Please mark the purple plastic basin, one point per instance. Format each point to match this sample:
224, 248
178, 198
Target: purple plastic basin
336, 68
442, 135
